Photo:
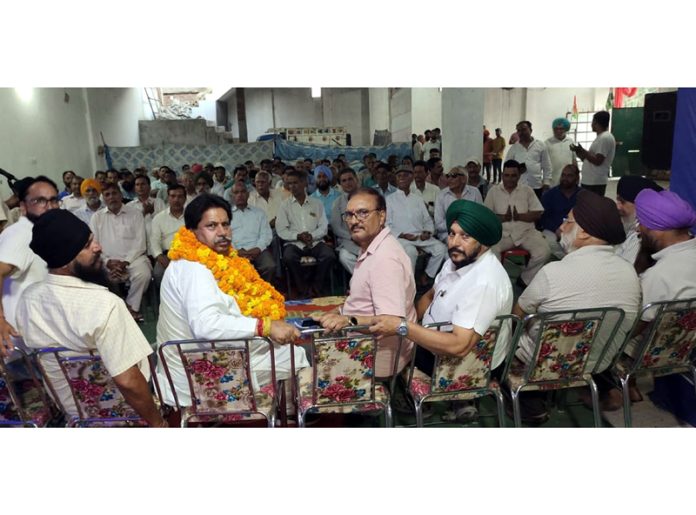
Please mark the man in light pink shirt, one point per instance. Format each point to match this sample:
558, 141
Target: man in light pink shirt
383, 281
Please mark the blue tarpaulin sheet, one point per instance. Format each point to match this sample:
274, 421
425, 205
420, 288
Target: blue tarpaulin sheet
289, 151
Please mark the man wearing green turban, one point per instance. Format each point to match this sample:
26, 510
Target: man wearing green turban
470, 291
558, 147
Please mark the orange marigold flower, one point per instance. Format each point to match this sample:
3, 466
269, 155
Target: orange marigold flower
235, 276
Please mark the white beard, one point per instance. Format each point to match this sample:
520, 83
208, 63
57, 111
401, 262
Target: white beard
568, 239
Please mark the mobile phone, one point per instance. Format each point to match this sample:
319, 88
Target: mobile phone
309, 323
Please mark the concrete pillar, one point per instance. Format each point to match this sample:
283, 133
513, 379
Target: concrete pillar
462, 125
379, 110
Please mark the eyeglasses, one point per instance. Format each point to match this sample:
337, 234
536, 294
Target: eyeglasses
43, 201
360, 214
568, 221
453, 175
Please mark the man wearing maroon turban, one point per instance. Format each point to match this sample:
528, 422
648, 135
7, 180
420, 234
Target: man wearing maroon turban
591, 275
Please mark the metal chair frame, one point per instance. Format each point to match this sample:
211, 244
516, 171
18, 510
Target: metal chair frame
487, 390
88, 356
25, 419
342, 335
644, 343
557, 317
202, 345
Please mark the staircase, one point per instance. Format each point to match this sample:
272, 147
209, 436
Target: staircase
182, 132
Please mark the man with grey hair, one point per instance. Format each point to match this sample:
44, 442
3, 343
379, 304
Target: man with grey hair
457, 188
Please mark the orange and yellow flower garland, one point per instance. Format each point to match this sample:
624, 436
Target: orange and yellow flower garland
235, 276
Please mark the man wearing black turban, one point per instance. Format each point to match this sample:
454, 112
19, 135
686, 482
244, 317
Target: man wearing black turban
627, 189
73, 308
591, 275
470, 291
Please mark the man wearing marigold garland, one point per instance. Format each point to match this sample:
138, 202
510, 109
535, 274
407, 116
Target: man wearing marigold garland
590, 275
208, 292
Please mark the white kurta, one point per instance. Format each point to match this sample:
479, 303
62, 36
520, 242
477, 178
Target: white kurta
192, 306
29, 268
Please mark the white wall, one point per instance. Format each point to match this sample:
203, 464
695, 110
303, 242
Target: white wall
115, 113
44, 134
378, 111
462, 118
295, 107
344, 107
400, 113
504, 108
426, 109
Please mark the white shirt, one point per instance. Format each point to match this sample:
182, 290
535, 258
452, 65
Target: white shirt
164, 227
293, 219
428, 145
218, 188
429, 194
417, 151
629, 249
445, 198
673, 276
85, 213
29, 268
592, 276
560, 155
407, 214
471, 297
121, 236
604, 144
250, 229
523, 199
536, 159
69, 312
192, 306
71, 202
137, 204
270, 206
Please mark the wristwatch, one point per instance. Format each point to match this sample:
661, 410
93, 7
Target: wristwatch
353, 321
402, 330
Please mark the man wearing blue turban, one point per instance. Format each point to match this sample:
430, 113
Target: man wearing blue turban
558, 146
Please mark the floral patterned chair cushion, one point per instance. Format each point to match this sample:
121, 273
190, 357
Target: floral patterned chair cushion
221, 390
673, 342
97, 397
38, 409
564, 351
458, 378
344, 377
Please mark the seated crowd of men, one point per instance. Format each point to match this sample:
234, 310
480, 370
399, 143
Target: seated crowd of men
376, 221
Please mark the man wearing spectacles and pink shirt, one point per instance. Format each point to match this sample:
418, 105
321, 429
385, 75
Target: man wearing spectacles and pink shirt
382, 282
